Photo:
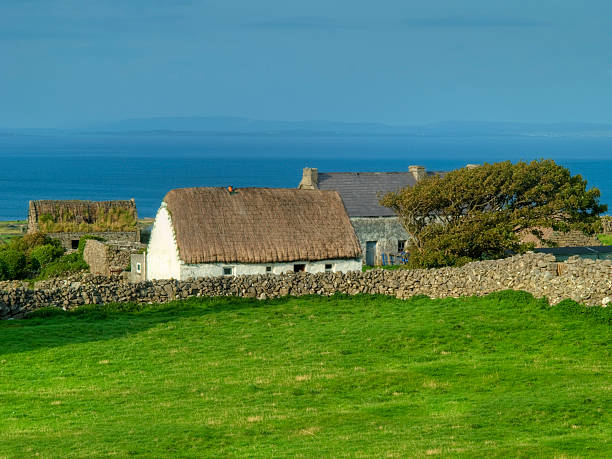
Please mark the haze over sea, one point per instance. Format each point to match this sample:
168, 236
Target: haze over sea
146, 166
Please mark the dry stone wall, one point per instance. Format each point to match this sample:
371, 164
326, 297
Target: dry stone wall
109, 257
606, 223
68, 240
572, 238
586, 281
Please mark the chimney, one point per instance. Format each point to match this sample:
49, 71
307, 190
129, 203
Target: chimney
310, 179
418, 172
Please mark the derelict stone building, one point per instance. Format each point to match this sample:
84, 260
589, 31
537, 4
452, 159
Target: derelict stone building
378, 228
69, 220
201, 232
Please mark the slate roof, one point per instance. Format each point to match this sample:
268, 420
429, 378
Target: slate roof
361, 191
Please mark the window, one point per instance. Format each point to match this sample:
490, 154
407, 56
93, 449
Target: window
401, 245
299, 268
268, 269
138, 267
328, 267
74, 243
228, 271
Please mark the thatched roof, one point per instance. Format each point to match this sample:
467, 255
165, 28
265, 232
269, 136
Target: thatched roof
260, 225
70, 213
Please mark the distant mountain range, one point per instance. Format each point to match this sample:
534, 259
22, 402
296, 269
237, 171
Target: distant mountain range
196, 125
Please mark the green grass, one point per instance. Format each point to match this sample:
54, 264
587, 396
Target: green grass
365, 268
11, 229
364, 376
606, 239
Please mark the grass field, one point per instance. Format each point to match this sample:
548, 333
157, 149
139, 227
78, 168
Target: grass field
606, 239
364, 376
10, 229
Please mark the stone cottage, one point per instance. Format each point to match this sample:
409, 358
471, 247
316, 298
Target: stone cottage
69, 220
200, 232
378, 228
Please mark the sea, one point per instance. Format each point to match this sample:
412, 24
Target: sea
145, 166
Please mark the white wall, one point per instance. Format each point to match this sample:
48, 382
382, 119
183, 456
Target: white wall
163, 258
216, 269
162, 253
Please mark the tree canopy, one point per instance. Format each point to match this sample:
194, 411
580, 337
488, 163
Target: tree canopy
479, 212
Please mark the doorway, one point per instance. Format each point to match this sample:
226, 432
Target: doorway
371, 252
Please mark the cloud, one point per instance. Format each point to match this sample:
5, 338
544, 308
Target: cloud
471, 22
315, 22
298, 22
39, 28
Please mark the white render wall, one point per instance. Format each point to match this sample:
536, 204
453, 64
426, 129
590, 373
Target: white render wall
162, 253
163, 260
216, 269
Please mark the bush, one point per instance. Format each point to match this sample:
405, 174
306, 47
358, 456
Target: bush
45, 254
482, 213
435, 259
67, 264
30, 241
3, 270
15, 264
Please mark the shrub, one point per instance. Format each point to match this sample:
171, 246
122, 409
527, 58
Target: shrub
73, 262
481, 213
15, 264
30, 241
32, 266
3, 270
45, 254
435, 259
114, 219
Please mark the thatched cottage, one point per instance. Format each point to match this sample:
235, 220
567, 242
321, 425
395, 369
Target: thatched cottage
378, 228
69, 220
201, 232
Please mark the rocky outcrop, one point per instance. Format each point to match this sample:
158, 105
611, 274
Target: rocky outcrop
583, 280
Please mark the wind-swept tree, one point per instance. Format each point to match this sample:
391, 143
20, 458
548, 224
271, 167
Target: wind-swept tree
477, 213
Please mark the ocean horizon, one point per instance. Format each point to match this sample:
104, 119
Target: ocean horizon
146, 166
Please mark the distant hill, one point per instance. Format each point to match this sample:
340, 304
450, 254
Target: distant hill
246, 125
211, 125
447, 128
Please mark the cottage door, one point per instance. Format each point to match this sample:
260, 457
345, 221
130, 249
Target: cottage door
370, 253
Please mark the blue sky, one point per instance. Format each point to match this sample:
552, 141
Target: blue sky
69, 63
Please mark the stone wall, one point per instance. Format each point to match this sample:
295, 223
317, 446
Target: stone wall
387, 231
606, 222
573, 238
586, 281
138, 271
95, 255
107, 258
68, 239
